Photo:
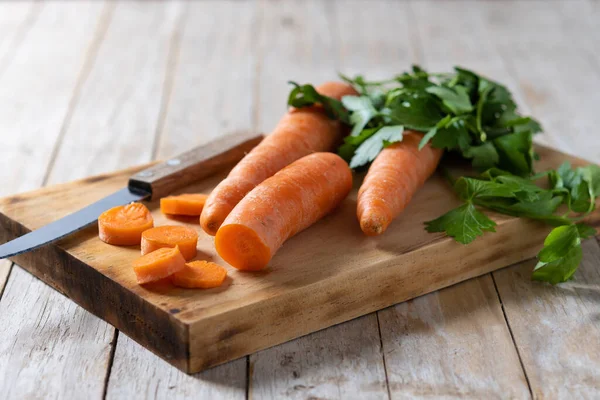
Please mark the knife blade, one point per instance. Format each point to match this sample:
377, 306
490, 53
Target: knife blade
150, 184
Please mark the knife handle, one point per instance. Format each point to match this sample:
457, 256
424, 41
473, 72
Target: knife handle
175, 173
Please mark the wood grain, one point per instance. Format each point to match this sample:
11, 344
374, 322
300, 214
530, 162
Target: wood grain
452, 343
341, 362
302, 291
202, 106
556, 328
138, 374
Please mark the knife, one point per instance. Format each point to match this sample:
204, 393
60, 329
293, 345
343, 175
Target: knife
150, 184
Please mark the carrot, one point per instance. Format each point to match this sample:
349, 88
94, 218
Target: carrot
200, 274
183, 204
158, 264
123, 225
299, 133
393, 178
281, 206
170, 236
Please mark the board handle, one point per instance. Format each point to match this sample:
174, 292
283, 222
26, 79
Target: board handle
163, 178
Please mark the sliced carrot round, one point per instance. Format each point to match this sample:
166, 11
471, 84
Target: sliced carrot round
123, 225
170, 236
200, 274
183, 204
158, 264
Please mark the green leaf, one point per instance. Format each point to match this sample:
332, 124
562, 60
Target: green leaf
454, 136
306, 96
468, 188
418, 111
561, 255
483, 156
362, 112
456, 99
464, 223
516, 152
371, 147
433, 131
585, 231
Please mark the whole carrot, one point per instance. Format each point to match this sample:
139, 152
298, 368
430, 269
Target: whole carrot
393, 178
280, 207
299, 133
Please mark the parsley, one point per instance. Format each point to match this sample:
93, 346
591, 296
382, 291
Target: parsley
465, 113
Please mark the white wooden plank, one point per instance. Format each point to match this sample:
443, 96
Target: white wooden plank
379, 46
113, 124
36, 320
563, 91
556, 328
139, 374
113, 117
342, 362
36, 91
295, 43
210, 93
213, 86
16, 18
452, 343
51, 348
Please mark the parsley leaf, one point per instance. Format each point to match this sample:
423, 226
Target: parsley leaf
455, 99
362, 111
370, 147
464, 223
307, 95
561, 255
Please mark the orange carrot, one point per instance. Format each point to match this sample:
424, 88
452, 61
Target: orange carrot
299, 133
393, 178
183, 204
200, 274
292, 200
170, 236
158, 264
123, 225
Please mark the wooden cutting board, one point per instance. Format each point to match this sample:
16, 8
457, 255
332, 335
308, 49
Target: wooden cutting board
326, 275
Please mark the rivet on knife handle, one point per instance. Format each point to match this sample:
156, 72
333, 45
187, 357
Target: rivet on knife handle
194, 165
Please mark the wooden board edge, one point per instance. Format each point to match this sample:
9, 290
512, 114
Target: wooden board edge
235, 333
167, 337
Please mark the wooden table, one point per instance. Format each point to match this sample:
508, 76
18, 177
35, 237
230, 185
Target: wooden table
89, 87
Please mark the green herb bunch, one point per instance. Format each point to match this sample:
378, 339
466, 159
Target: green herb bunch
468, 114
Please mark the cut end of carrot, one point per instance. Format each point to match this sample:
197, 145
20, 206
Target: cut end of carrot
158, 265
200, 275
183, 204
124, 225
241, 247
170, 236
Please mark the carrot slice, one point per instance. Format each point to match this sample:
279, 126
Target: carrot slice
200, 274
183, 204
393, 178
283, 205
123, 225
300, 132
170, 236
158, 264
